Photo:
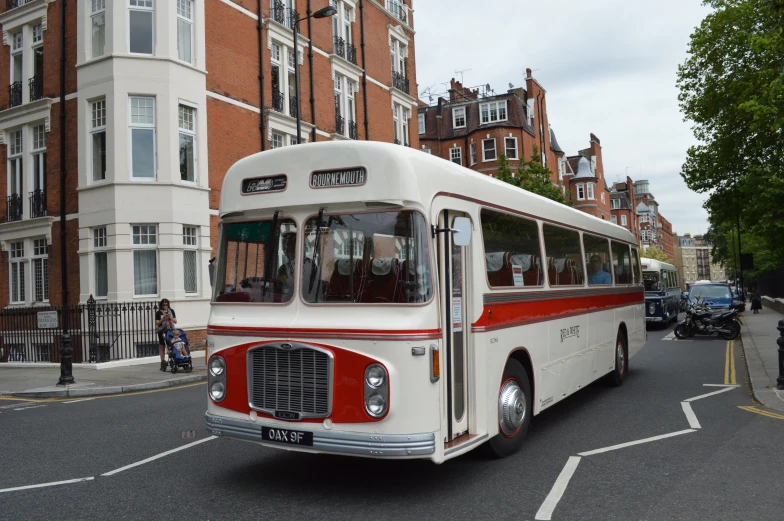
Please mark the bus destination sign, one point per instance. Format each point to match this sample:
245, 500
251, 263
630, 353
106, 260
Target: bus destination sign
338, 178
264, 185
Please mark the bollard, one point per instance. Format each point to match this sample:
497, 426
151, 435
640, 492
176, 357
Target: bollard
780, 342
66, 362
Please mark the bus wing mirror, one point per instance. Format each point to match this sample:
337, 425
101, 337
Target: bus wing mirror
461, 231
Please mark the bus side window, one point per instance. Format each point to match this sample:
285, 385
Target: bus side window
511, 245
636, 266
565, 266
622, 263
597, 259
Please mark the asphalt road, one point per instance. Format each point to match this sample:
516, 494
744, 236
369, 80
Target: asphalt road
727, 469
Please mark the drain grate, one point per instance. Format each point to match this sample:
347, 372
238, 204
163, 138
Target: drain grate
188, 434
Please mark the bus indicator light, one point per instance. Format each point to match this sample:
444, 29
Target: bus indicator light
435, 363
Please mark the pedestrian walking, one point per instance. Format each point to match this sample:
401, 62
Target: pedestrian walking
756, 301
165, 318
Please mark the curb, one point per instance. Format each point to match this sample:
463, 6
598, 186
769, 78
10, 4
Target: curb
118, 389
758, 378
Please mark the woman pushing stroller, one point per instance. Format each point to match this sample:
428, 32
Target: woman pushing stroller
165, 318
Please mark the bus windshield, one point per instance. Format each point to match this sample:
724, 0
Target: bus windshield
246, 249
375, 258
651, 280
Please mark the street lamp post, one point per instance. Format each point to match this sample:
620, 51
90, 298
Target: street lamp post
324, 12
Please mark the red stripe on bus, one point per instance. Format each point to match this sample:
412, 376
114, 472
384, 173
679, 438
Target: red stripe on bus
505, 315
413, 334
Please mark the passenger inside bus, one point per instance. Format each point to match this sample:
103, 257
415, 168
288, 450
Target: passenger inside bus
596, 273
285, 274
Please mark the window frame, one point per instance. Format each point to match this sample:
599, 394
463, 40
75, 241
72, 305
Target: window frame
100, 247
623, 220
282, 140
580, 188
421, 123
189, 132
614, 219
485, 150
145, 247
94, 130
545, 261
190, 244
38, 159
146, 9
590, 194
16, 257
458, 156
455, 117
97, 8
189, 21
539, 245
143, 126
43, 260
507, 148
472, 153
497, 104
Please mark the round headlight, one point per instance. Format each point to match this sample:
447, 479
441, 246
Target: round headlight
375, 376
652, 307
376, 405
217, 365
217, 391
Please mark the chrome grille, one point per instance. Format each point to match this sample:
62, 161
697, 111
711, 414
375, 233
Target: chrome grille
297, 380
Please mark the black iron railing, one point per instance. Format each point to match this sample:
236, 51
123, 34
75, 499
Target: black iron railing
15, 93
37, 204
15, 207
345, 49
99, 332
399, 81
352, 130
36, 84
397, 8
283, 15
340, 124
293, 106
277, 101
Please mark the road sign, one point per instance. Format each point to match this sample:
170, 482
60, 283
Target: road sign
47, 319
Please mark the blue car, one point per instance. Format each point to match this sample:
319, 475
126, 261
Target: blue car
716, 296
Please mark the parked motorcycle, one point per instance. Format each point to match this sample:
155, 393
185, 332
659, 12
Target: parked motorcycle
702, 321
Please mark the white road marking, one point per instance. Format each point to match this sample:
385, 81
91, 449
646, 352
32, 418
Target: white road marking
689, 412
670, 336
82, 400
161, 455
556, 493
17, 404
31, 407
720, 385
41, 485
637, 442
700, 397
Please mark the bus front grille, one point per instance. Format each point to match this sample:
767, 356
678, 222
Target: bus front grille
290, 381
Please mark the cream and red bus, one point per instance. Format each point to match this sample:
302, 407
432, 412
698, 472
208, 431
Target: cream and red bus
373, 300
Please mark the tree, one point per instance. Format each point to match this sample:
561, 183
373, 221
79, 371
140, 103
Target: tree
652, 252
732, 89
531, 176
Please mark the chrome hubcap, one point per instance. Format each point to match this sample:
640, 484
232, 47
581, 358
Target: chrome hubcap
511, 407
621, 360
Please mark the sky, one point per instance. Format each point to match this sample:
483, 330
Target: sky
609, 68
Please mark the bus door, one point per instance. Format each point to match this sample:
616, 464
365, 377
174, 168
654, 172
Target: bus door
456, 321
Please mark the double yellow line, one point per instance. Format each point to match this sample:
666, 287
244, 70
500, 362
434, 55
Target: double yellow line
729, 365
762, 412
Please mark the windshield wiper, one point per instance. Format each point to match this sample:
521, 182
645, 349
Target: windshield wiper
316, 251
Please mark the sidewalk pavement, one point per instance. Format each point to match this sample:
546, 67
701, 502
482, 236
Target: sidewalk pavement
759, 336
34, 381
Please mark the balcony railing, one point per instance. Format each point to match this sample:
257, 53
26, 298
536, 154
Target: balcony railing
36, 84
340, 124
352, 130
277, 101
37, 204
345, 49
283, 15
293, 106
13, 4
399, 81
15, 93
14, 207
397, 8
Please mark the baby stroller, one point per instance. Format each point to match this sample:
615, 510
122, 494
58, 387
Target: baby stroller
176, 360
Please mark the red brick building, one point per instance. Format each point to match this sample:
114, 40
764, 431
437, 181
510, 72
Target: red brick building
666, 238
586, 182
473, 129
622, 207
160, 99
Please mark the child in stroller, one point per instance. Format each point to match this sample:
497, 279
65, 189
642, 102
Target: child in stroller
179, 351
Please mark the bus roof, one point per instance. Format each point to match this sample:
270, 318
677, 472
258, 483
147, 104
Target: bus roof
394, 175
653, 264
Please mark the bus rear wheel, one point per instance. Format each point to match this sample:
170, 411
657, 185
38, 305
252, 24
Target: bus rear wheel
615, 378
514, 411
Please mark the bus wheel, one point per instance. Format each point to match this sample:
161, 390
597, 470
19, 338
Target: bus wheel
615, 378
514, 411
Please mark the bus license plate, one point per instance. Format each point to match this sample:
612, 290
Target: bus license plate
287, 436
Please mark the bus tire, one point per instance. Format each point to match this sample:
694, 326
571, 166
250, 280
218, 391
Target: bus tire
515, 408
615, 378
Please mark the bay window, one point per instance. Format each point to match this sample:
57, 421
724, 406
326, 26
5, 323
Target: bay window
145, 260
189, 258
98, 139
488, 150
98, 32
456, 155
185, 30
187, 126
493, 111
101, 264
142, 138
590, 191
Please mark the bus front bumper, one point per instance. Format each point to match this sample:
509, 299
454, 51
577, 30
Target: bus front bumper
357, 444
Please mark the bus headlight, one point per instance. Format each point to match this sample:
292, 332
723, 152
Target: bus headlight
217, 365
652, 307
376, 405
216, 378
376, 391
375, 376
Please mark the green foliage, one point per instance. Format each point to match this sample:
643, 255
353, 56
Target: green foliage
725, 250
654, 253
532, 176
732, 89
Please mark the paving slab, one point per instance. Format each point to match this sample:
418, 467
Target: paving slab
758, 335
